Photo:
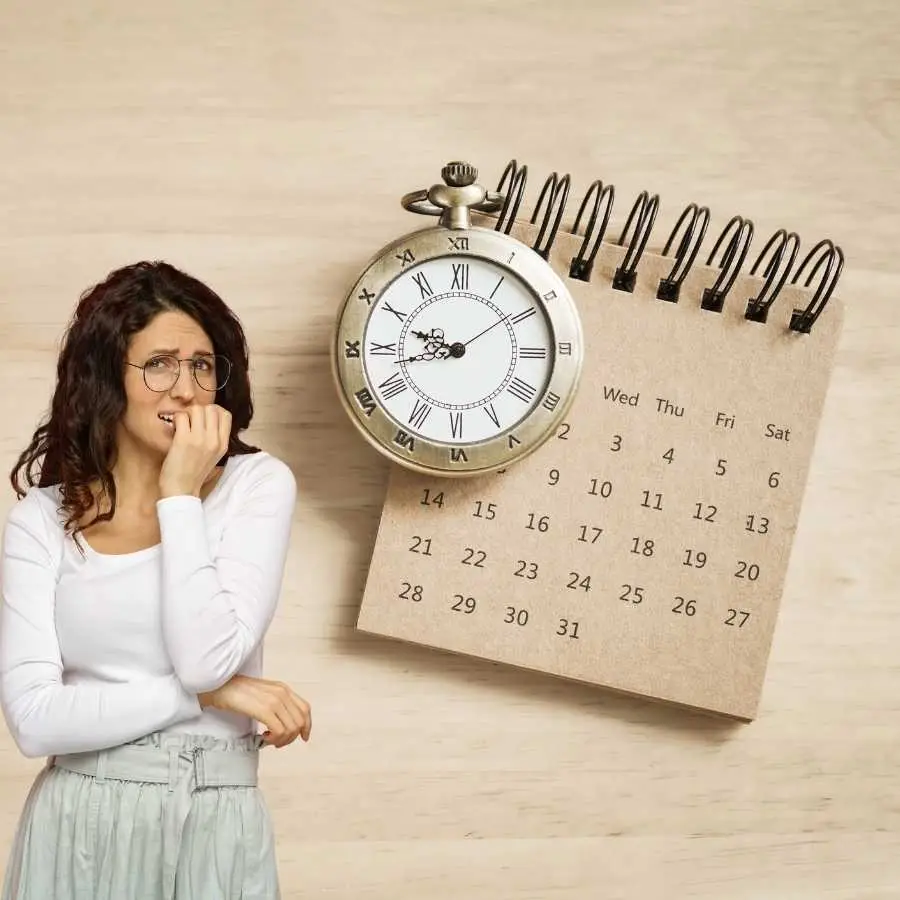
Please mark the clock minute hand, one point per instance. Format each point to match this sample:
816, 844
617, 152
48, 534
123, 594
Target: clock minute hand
486, 330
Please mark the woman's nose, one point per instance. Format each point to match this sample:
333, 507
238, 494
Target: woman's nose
184, 384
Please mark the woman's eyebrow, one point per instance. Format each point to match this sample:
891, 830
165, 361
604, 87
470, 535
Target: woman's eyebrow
173, 351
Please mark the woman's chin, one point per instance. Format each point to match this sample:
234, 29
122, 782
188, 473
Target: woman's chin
155, 440
162, 443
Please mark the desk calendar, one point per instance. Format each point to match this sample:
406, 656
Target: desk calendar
644, 546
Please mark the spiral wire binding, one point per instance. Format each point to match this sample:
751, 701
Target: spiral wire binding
582, 266
776, 258
556, 199
670, 286
643, 214
732, 260
758, 307
517, 178
803, 320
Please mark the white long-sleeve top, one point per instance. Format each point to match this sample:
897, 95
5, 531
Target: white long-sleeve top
99, 650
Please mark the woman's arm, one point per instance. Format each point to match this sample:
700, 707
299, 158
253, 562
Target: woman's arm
215, 610
44, 715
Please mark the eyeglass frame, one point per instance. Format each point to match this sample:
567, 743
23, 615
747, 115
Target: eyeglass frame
216, 356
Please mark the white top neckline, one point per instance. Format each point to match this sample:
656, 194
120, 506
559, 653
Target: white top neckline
153, 549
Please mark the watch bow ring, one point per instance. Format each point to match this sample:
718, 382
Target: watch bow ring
453, 199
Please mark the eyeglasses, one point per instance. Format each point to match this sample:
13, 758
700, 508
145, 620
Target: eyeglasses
161, 372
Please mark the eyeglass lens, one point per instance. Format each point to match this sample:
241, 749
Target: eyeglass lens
210, 372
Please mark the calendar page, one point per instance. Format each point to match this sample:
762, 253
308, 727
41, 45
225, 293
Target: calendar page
644, 546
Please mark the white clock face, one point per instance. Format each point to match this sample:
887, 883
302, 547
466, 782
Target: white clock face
458, 349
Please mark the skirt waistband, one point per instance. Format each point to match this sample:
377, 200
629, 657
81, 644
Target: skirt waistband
185, 769
171, 764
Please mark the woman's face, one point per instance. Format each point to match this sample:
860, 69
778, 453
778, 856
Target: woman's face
170, 333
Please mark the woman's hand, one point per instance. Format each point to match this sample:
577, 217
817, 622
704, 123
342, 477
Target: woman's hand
286, 715
201, 439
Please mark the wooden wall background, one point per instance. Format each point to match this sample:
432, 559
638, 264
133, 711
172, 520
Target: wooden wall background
264, 146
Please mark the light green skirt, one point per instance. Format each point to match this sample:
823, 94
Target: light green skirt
166, 817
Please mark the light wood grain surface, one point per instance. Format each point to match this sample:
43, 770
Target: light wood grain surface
264, 147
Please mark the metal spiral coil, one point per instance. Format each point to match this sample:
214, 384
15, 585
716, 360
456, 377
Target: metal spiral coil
729, 253
687, 251
582, 264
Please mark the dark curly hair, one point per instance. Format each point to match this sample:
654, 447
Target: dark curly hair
77, 439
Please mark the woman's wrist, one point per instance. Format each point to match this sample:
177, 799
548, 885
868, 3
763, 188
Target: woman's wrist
176, 490
206, 699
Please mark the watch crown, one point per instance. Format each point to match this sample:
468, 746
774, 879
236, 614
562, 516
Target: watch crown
454, 199
459, 174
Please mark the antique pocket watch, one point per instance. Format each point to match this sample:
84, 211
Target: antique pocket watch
458, 350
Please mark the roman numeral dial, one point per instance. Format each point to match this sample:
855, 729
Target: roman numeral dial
458, 350
458, 347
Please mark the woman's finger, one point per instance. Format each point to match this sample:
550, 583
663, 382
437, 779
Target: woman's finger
276, 723
188, 418
211, 422
304, 714
291, 726
306, 730
224, 429
284, 715
214, 425
293, 712
281, 719
181, 419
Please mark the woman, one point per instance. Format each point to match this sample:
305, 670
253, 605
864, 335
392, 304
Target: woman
140, 573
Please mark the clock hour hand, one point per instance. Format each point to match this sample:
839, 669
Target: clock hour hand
436, 347
436, 334
441, 352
